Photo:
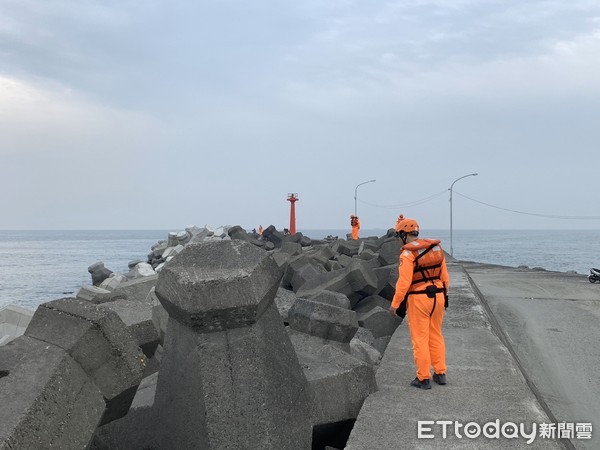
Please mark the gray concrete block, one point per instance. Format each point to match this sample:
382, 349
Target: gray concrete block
339, 383
94, 294
381, 343
113, 281
178, 238
389, 253
131, 264
368, 303
336, 281
304, 273
284, 300
282, 259
355, 281
137, 429
368, 255
299, 270
15, 315
219, 232
46, 399
362, 280
334, 244
159, 248
137, 317
272, 235
348, 247
99, 342
160, 316
248, 390
99, 273
143, 269
135, 290
383, 276
323, 320
237, 232
293, 238
331, 298
379, 322
371, 264
14, 320
343, 260
389, 287
332, 265
291, 248
365, 335
371, 245
198, 235
305, 241
170, 252
192, 230
322, 254
365, 352
248, 280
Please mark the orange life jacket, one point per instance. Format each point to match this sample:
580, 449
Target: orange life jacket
427, 272
428, 264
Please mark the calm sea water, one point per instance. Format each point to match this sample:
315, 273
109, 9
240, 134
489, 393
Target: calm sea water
39, 266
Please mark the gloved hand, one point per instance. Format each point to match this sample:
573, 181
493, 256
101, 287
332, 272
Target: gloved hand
445, 301
396, 316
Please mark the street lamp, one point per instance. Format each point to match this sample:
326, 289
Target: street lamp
465, 176
360, 184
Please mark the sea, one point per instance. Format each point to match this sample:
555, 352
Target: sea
40, 266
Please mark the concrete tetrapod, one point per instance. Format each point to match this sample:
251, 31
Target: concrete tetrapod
75, 368
229, 375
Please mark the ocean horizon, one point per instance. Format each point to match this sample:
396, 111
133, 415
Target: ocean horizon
37, 266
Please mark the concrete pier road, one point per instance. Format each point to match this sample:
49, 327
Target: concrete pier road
485, 386
551, 322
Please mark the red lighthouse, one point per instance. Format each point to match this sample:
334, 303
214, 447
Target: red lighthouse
292, 198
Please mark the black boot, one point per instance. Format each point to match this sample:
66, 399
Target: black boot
425, 384
439, 378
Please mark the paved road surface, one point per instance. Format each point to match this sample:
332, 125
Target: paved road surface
552, 322
484, 385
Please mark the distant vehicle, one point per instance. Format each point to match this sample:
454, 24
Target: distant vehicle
594, 275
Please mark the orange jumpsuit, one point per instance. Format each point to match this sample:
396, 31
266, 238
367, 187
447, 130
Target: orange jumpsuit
355, 227
425, 311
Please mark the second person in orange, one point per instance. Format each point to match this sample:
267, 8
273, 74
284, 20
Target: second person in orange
355, 224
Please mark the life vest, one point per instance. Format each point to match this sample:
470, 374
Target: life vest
428, 267
427, 271
428, 261
354, 221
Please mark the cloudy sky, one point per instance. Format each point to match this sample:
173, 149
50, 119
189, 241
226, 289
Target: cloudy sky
158, 115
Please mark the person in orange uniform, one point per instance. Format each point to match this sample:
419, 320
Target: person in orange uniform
398, 220
421, 291
260, 230
355, 224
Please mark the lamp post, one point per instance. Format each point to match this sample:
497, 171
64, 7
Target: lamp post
464, 176
355, 189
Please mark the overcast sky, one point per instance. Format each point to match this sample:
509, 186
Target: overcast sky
158, 115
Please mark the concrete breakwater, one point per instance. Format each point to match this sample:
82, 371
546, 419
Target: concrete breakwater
220, 339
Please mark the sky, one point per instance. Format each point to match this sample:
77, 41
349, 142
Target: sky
148, 114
